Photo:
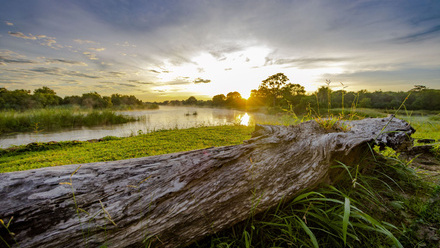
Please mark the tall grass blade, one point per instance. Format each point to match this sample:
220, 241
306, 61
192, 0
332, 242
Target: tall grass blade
4, 241
345, 220
309, 232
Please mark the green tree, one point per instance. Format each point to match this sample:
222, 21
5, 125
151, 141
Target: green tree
118, 100
324, 96
46, 97
234, 100
45, 90
256, 100
107, 101
94, 100
271, 87
219, 100
16, 99
292, 94
427, 99
191, 101
72, 100
365, 103
419, 88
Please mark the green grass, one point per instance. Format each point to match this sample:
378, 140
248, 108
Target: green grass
425, 126
57, 118
360, 113
155, 143
426, 123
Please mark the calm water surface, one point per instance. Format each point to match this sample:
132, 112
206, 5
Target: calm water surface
150, 120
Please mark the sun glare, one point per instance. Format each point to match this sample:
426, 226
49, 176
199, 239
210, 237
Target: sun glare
244, 120
241, 71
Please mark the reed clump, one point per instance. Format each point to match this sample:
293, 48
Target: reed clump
57, 118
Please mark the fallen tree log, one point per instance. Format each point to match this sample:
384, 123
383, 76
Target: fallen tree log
175, 199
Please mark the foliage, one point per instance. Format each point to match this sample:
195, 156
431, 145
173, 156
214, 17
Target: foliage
191, 101
219, 100
271, 88
231, 100
45, 97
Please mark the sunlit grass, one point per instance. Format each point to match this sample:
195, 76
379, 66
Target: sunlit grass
425, 126
155, 143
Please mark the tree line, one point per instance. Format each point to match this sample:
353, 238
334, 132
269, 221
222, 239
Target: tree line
45, 97
276, 94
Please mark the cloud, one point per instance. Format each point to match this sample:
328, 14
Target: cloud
306, 63
71, 81
116, 73
107, 83
9, 23
139, 82
176, 82
128, 85
420, 35
80, 74
48, 70
79, 41
102, 86
97, 49
9, 60
126, 44
91, 56
23, 36
65, 61
49, 41
203, 81
9, 81
56, 71
45, 40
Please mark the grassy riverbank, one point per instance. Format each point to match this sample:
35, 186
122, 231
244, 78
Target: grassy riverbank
57, 118
160, 142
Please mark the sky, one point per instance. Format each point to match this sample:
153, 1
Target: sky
172, 49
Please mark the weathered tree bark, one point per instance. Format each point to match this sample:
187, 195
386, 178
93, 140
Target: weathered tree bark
175, 199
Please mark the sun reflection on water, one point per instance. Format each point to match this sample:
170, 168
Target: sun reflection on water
244, 120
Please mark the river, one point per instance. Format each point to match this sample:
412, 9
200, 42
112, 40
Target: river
150, 120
